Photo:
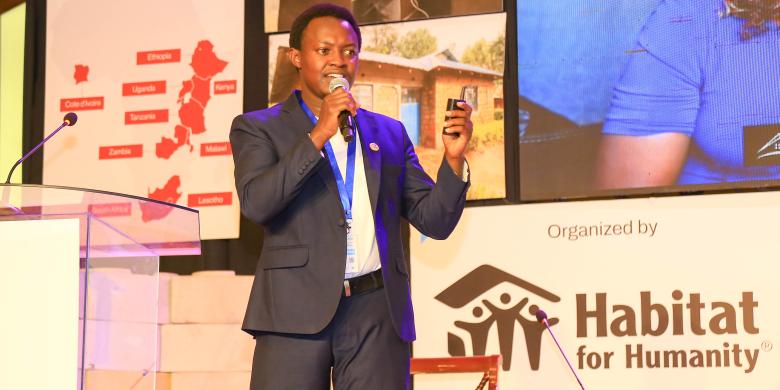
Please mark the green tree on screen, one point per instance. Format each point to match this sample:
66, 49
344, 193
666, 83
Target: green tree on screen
489, 55
384, 40
416, 44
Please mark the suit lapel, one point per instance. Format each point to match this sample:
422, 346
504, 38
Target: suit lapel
372, 159
299, 121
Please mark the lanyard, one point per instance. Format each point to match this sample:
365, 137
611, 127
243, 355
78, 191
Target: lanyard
345, 187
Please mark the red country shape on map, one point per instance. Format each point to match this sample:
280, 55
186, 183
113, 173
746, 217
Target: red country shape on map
201, 90
205, 62
166, 146
168, 193
81, 73
193, 98
191, 115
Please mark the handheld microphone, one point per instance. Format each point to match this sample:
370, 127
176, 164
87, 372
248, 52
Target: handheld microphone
541, 316
69, 120
346, 121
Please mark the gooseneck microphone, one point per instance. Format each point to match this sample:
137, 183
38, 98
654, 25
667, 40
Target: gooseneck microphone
69, 120
346, 121
541, 316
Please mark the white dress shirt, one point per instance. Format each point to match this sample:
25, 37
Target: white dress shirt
362, 216
367, 255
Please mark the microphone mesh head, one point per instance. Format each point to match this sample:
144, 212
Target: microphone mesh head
541, 315
70, 118
338, 82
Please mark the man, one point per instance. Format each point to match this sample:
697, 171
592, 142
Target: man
331, 292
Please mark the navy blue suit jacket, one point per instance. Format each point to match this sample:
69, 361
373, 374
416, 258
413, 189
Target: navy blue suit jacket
285, 185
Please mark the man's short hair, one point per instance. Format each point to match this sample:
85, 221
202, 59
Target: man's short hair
318, 11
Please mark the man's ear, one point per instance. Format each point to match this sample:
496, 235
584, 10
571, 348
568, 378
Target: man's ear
295, 57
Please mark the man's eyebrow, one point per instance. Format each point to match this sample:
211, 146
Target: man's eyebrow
329, 43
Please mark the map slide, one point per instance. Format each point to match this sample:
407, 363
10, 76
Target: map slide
156, 86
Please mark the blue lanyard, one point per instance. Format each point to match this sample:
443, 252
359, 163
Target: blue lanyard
346, 188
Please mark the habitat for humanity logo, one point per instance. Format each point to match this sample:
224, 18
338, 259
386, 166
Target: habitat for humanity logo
771, 148
761, 145
484, 313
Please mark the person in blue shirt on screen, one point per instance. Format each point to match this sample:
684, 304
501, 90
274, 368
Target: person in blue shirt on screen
699, 101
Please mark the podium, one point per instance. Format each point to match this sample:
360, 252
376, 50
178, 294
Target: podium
489, 366
79, 284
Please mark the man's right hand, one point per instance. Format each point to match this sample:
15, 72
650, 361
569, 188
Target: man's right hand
328, 120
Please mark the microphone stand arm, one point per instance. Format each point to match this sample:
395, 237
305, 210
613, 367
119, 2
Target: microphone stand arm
8, 180
547, 325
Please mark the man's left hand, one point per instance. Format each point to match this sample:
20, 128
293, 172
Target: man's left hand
457, 134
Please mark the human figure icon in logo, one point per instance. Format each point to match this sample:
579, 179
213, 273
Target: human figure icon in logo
478, 331
533, 330
505, 322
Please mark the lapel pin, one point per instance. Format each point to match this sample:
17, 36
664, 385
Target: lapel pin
374, 147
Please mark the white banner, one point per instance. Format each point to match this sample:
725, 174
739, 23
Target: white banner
156, 86
672, 293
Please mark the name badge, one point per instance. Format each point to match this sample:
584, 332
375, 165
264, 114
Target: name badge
352, 261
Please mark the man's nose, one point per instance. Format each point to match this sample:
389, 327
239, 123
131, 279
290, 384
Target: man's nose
338, 58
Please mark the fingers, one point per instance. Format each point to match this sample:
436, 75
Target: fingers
341, 100
455, 131
455, 126
465, 108
458, 121
455, 121
458, 117
464, 113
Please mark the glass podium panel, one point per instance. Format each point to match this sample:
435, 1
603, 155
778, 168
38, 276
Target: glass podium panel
106, 283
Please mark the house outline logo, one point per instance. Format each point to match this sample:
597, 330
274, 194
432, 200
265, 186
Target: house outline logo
773, 145
467, 289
